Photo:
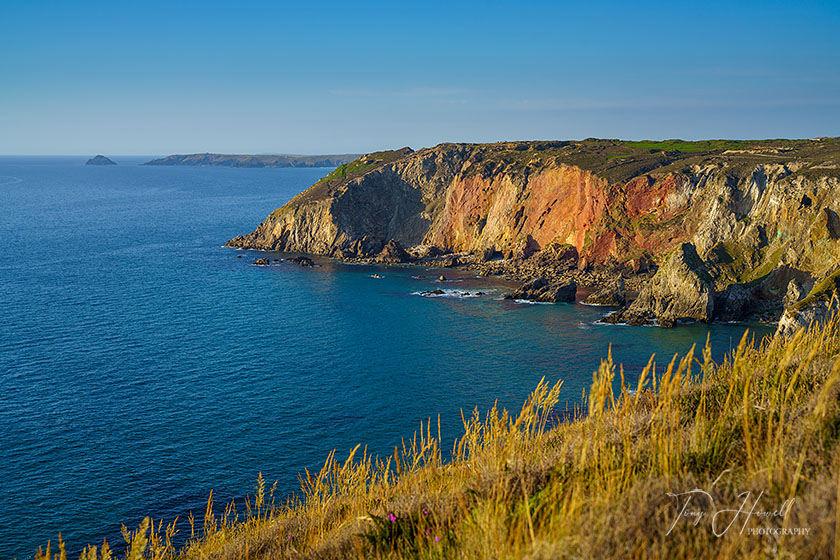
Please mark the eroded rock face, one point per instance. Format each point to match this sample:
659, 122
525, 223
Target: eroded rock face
393, 253
613, 294
735, 303
794, 293
680, 290
540, 289
814, 308
565, 204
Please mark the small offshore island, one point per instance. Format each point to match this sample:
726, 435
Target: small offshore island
671, 231
100, 160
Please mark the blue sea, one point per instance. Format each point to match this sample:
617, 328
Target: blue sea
143, 365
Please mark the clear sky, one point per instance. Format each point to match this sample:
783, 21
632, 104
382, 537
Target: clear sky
154, 78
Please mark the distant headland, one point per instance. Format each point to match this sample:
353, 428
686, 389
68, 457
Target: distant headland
100, 160
246, 160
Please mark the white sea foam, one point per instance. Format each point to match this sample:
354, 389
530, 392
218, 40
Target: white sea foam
457, 294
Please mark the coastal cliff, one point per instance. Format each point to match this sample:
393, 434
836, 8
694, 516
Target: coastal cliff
756, 214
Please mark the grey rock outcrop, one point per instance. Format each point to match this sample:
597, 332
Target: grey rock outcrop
612, 294
393, 253
734, 304
680, 290
794, 293
814, 308
539, 289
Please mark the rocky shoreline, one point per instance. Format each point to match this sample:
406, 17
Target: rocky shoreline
669, 232
633, 294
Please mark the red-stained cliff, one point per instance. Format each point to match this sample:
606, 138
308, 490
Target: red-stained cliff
754, 211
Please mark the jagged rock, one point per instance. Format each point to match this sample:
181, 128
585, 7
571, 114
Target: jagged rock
302, 261
814, 308
611, 294
826, 226
393, 253
441, 278
451, 262
735, 303
637, 265
261, 262
526, 249
583, 263
488, 254
437, 292
425, 251
680, 290
559, 253
539, 289
794, 293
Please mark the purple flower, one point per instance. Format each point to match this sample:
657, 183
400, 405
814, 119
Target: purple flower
437, 539
392, 517
428, 531
425, 511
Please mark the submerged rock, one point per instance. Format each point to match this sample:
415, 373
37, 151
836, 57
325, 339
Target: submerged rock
261, 262
539, 289
437, 292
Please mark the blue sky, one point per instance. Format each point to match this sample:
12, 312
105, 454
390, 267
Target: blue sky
270, 77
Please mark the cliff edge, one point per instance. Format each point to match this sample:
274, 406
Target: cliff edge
757, 214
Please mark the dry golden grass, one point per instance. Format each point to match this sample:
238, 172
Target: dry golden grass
765, 421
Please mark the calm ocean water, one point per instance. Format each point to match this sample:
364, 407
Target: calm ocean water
142, 365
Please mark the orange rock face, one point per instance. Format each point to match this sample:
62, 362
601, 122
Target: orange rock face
556, 205
563, 205
520, 198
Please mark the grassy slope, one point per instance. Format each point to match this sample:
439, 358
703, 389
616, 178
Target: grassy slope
767, 419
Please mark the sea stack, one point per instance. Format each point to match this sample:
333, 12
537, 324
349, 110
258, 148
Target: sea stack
100, 160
